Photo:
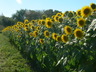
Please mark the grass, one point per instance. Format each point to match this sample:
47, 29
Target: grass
10, 58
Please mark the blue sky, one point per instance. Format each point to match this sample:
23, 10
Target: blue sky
9, 7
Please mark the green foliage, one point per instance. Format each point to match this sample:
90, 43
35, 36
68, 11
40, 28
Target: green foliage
10, 58
22, 14
76, 54
6, 21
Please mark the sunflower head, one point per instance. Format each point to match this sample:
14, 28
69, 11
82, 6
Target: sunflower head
81, 22
33, 21
32, 27
60, 19
37, 28
56, 18
63, 14
78, 12
44, 16
43, 22
39, 22
54, 36
93, 6
26, 28
41, 41
48, 23
58, 38
26, 21
35, 33
68, 29
86, 11
64, 38
46, 33
59, 14
30, 34
78, 33
70, 14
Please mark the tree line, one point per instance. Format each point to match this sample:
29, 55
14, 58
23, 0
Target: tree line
23, 14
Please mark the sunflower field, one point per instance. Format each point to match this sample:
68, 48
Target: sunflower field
63, 43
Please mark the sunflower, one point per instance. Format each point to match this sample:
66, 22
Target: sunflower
64, 38
48, 18
48, 23
37, 28
43, 22
59, 14
70, 14
58, 38
26, 28
56, 18
44, 16
46, 33
39, 22
93, 6
26, 21
68, 29
53, 16
78, 33
41, 41
86, 11
81, 22
18, 36
60, 19
63, 14
35, 33
32, 27
31, 34
33, 21
54, 36
78, 12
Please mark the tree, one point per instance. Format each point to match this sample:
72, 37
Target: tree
19, 15
6, 21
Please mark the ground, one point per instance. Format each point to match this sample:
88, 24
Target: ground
10, 58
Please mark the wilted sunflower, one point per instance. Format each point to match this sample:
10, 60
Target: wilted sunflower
78, 33
64, 38
68, 29
81, 22
86, 11
35, 33
93, 6
41, 41
78, 12
48, 23
46, 33
60, 19
54, 36
58, 38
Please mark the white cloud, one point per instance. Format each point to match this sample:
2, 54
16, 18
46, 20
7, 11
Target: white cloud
19, 1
